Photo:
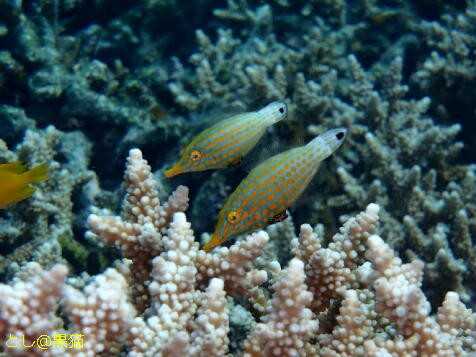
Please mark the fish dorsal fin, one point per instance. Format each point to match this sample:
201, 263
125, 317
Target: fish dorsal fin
265, 149
15, 167
205, 120
209, 117
268, 147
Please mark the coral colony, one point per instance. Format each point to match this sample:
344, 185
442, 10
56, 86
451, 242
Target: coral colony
158, 184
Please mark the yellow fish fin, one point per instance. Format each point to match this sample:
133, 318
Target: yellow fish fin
25, 192
15, 167
38, 173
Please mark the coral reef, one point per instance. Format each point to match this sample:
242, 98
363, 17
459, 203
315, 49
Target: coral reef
395, 148
375, 303
139, 231
105, 75
57, 65
83, 82
406, 155
288, 327
35, 230
448, 74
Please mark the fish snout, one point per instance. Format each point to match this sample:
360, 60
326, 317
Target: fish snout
173, 171
212, 243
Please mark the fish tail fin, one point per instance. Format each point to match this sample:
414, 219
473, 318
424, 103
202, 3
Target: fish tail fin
38, 173
24, 193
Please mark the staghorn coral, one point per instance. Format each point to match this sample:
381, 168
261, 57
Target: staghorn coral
331, 271
32, 230
289, 326
398, 146
280, 44
399, 298
355, 324
253, 78
139, 231
174, 294
103, 65
64, 62
101, 312
176, 302
28, 305
140, 234
448, 73
411, 158
383, 309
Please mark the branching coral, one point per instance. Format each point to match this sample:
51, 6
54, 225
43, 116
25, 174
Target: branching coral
374, 307
139, 231
99, 316
331, 271
289, 326
176, 302
141, 234
411, 158
401, 300
448, 73
32, 229
27, 309
94, 66
396, 147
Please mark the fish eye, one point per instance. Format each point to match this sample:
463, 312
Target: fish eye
232, 217
195, 155
339, 135
281, 110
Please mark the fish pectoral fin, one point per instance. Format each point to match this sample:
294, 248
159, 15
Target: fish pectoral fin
15, 167
281, 216
237, 162
25, 192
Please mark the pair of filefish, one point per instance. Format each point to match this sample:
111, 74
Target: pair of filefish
271, 187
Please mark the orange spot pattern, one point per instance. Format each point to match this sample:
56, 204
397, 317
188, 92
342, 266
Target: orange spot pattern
269, 189
225, 142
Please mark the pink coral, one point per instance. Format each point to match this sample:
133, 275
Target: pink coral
367, 302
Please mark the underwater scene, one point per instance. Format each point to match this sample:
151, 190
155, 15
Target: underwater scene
244, 178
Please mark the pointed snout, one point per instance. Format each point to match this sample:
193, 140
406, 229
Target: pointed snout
174, 171
213, 242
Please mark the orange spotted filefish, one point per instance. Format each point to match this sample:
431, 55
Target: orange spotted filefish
15, 181
225, 143
270, 188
